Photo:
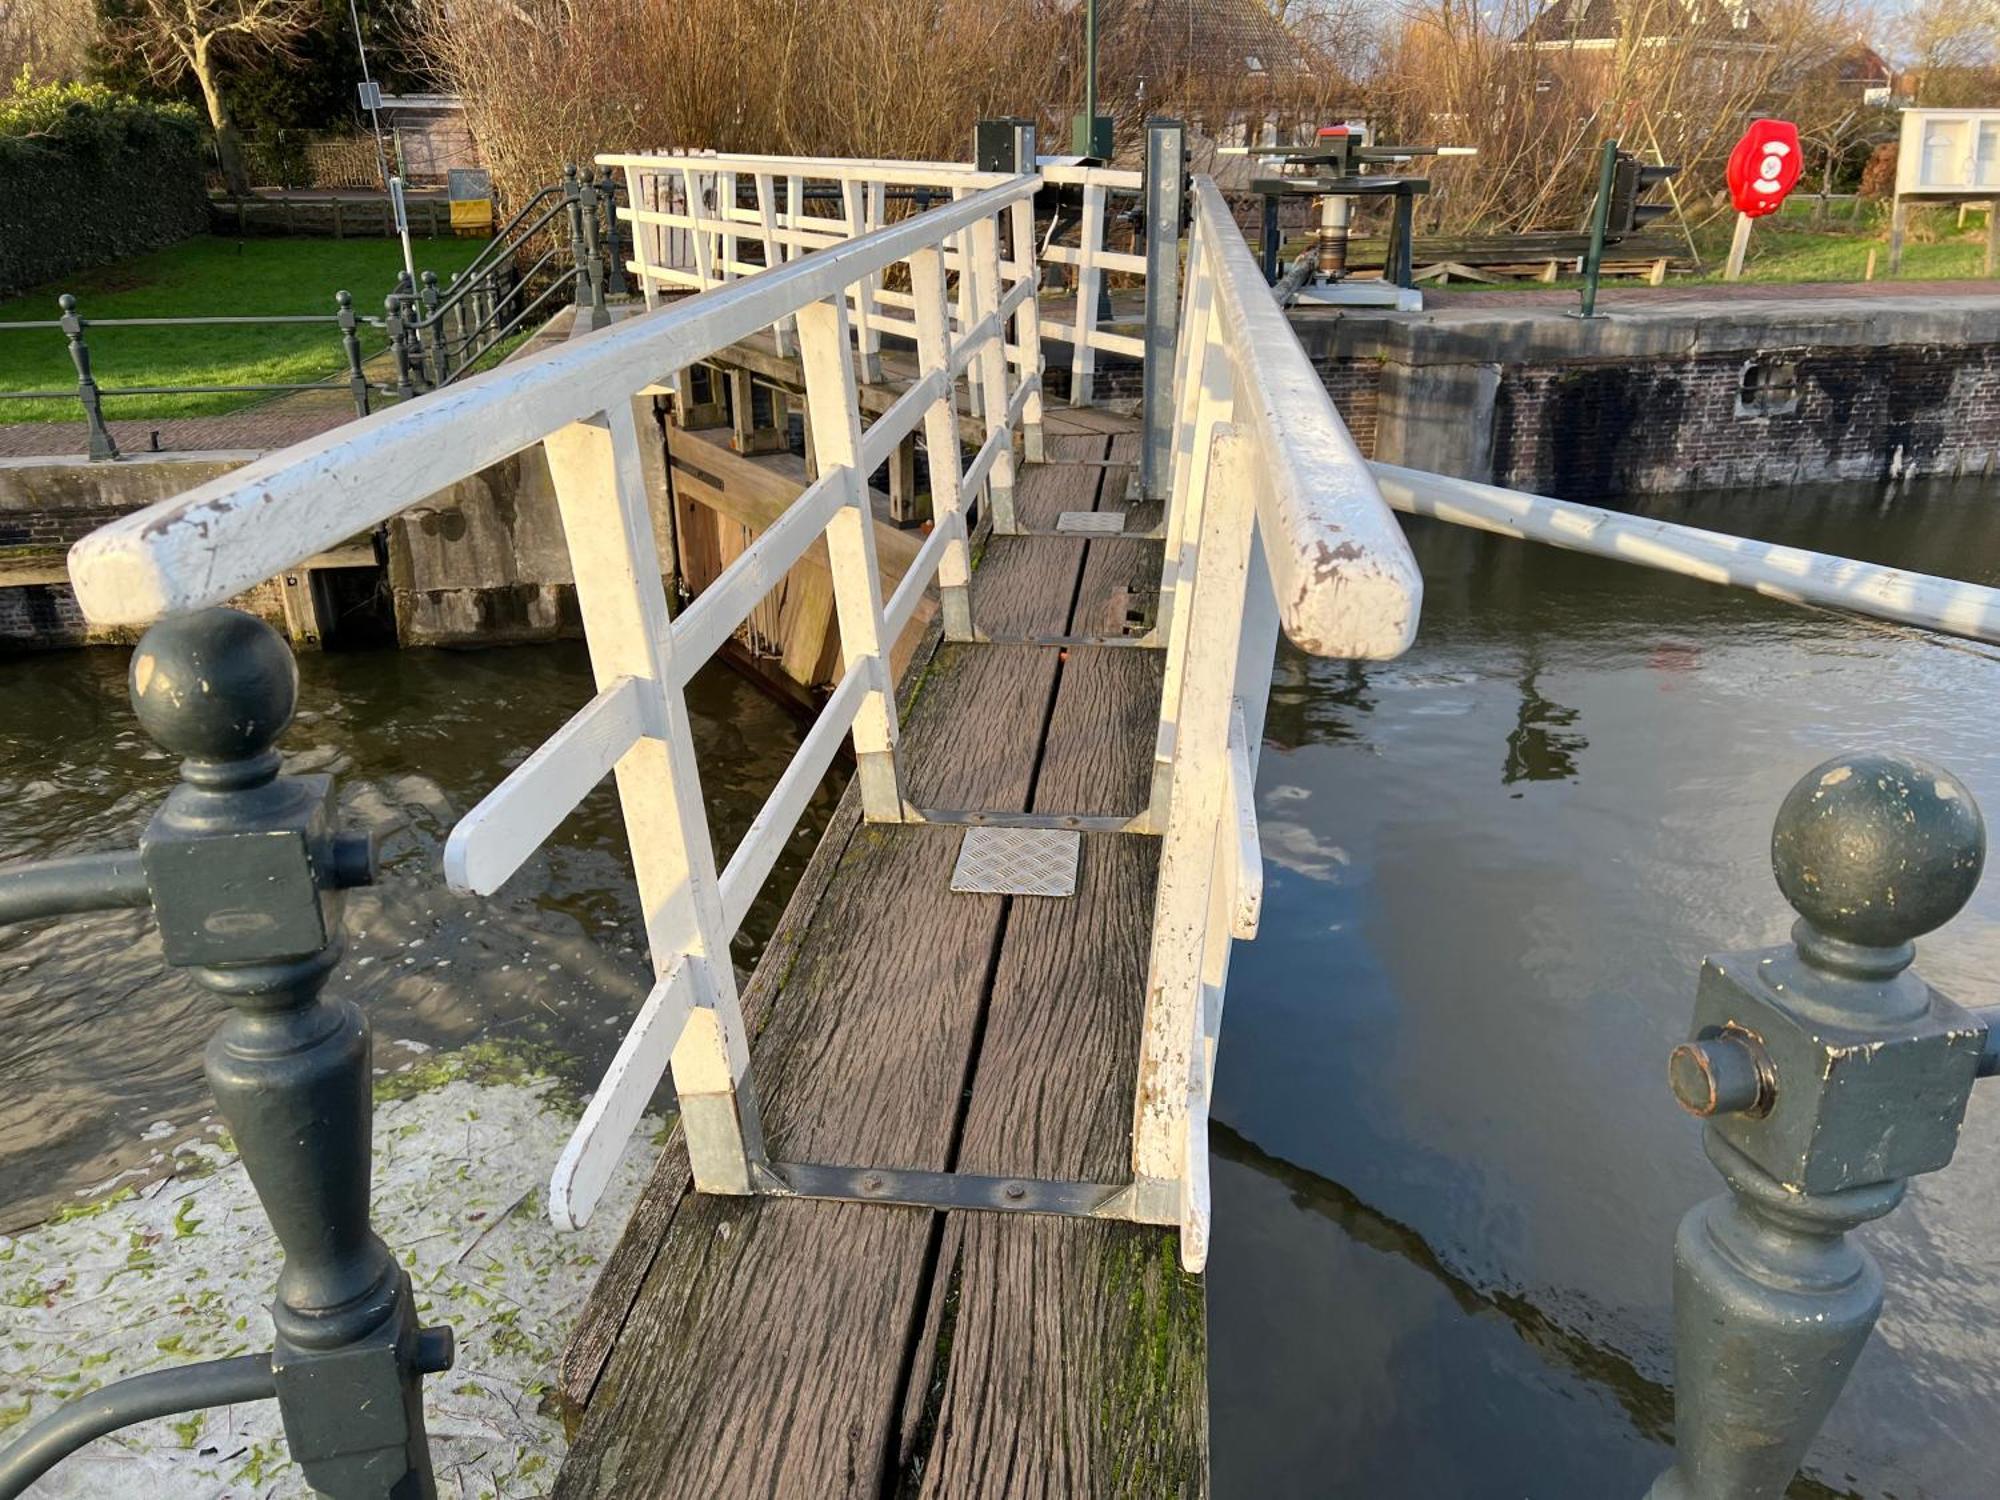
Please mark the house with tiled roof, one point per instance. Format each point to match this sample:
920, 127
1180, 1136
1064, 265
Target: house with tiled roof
1604, 25
1236, 45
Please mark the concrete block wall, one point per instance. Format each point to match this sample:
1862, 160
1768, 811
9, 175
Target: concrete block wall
1675, 396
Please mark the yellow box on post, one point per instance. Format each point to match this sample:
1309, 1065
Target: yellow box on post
470, 190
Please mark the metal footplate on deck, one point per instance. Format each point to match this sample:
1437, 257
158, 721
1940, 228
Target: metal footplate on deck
1091, 522
1017, 862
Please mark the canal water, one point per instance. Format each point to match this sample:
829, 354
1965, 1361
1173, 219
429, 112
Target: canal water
1447, 1171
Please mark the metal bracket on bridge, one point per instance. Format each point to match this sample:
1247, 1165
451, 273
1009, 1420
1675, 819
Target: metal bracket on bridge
946, 1191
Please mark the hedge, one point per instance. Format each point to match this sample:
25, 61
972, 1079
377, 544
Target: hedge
89, 176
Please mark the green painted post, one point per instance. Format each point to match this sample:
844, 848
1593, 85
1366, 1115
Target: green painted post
102, 447
1600, 216
350, 343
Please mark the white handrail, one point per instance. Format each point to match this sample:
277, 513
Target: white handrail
1272, 518
225, 536
1948, 605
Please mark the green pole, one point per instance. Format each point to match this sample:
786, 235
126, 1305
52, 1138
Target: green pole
1086, 135
1600, 216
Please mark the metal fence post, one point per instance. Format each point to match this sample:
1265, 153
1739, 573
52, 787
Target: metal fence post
399, 349
1166, 190
607, 191
350, 343
1829, 1074
242, 867
101, 444
593, 256
430, 334
573, 206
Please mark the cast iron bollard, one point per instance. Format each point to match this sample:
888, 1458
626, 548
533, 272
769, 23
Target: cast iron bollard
1829, 1073
242, 867
101, 444
350, 344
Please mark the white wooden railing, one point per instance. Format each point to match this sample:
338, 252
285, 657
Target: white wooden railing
1273, 519
1091, 257
578, 401
693, 229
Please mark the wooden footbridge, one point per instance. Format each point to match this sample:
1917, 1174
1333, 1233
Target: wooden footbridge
937, 1193
933, 1212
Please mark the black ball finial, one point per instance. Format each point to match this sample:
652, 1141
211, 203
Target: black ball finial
1876, 849
214, 686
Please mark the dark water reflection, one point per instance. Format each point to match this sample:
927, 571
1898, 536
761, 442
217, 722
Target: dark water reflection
102, 1046
1492, 869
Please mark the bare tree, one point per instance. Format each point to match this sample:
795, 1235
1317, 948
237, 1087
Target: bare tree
206, 38
1954, 50
48, 40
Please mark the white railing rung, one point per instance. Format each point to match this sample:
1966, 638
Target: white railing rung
1118, 343
751, 865
969, 344
614, 1111
1104, 260
701, 628
1001, 441
902, 605
510, 823
880, 437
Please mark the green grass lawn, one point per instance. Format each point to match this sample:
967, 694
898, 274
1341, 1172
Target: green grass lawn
1785, 246
204, 277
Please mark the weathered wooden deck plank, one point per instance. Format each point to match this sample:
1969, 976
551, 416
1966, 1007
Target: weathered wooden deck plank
786, 1348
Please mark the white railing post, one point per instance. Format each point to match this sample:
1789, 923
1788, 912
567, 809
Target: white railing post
941, 444
1191, 918
767, 212
1028, 319
992, 359
725, 210
834, 412
1202, 397
640, 194
868, 338
1089, 284
601, 496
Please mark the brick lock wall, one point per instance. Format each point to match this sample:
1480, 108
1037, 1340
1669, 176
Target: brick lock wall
1354, 385
43, 614
1597, 431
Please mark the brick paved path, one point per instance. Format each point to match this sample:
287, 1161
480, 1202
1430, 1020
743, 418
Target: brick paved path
1633, 297
272, 425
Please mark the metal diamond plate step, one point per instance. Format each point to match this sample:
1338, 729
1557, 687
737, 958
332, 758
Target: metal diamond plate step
1092, 522
1017, 862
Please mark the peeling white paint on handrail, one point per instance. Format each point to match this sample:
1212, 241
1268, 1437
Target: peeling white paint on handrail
1946, 605
1346, 583
222, 537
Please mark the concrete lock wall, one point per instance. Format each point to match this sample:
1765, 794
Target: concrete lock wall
483, 561
1671, 398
